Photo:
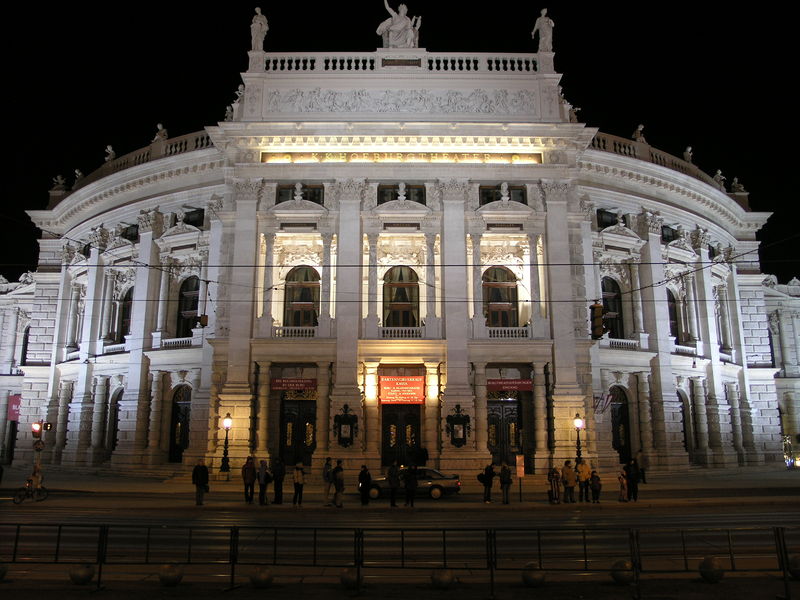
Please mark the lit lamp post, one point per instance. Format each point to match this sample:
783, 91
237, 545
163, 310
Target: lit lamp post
225, 467
579, 424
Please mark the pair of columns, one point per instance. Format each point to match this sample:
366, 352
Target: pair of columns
92, 423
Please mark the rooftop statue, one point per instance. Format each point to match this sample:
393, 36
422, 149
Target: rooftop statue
258, 31
544, 25
736, 187
59, 184
161, 133
687, 154
638, 135
399, 31
719, 178
110, 154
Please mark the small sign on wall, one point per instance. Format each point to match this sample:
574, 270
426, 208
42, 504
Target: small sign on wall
402, 390
282, 384
14, 400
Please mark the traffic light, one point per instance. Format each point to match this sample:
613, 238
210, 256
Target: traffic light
36, 429
598, 326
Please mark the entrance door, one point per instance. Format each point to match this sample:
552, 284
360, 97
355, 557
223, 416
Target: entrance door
620, 425
298, 435
179, 424
401, 435
504, 424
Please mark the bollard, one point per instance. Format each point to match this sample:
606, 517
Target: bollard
442, 579
533, 576
711, 569
261, 578
622, 572
81, 574
170, 574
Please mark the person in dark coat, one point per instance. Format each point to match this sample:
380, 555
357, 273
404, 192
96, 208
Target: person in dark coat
338, 483
554, 479
249, 479
393, 479
199, 479
632, 479
364, 481
278, 474
488, 479
505, 482
595, 485
264, 478
411, 483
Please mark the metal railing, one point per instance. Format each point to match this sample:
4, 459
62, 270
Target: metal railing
493, 550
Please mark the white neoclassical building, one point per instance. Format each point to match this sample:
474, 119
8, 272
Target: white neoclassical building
391, 255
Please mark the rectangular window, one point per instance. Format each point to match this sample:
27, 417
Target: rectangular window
668, 234
131, 233
516, 193
605, 218
195, 218
312, 193
389, 193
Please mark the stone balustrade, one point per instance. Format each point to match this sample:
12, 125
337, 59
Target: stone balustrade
113, 348
497, 333
401, 333
620, 344
294, 332
185, 342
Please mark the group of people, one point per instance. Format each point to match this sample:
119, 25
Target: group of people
487, 478
587, 480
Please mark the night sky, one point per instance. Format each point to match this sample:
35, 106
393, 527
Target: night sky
694, 74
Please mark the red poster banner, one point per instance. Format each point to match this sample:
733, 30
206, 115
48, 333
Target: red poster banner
282, 384
402, 390
14, 401
509, 385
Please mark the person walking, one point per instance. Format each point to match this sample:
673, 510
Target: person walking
299, 479
249, 479
623, 486
595, 485
338, 483
278, 475
488, 478
327, 481
632, 479
505, 482
393, 479
410, 481
264, 478
364, 481
644, 463
554, 493
200, 481
570, 480
584, 473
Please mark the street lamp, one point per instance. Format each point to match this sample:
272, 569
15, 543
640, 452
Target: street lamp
225, 467
579, 424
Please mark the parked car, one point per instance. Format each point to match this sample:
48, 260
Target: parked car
430, 483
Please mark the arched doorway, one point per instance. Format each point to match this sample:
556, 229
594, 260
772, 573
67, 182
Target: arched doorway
112, 423
179, 423
620, 424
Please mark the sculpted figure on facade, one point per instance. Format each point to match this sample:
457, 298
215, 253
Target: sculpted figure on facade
258, 31
638, 135
398, 31
736, 187
544, 26
687, 154
719, 178
59, 184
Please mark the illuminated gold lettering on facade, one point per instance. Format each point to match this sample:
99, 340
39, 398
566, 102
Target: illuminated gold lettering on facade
533, 158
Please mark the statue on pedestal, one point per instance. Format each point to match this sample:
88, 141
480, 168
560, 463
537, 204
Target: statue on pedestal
719, 178
638, 135
736, 187
544, 25
399, 31
687, 154
258, 31
161, 133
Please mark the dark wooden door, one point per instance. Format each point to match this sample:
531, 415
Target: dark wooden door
504, 431
298, 431
179, 425
401, 435
621, 425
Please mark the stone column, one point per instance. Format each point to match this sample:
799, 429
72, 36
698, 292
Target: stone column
371, 408
478, 319
3, 410
11, 338
65, 390
724, 319
262, 415
373, 320
325, 287
268, 282
202, 303
432, 329
732, 392
540, 412
636, 296
165, 395
163, 294
108, 299
99, 398
691, 307
536, 289
323, 427
700, 420
645, 416
72, 322
155, 428
481, 406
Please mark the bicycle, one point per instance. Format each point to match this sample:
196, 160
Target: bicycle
28, 491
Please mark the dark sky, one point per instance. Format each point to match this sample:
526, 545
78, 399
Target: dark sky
693, 73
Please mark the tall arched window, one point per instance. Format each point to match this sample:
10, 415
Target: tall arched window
401, 298
23, 355
612, 305
187, 307
672, 309
500, 298
125, 311
301, 298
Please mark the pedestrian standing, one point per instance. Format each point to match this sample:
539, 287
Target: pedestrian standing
327, 481
554, 493
644, 463
338, 483
393, 479
632, 480
505, 482
488, 479
584, 473
299, 479
264, 478
364, 481
410, 481
199, 479
278, 475
570, 480
249, 479
596, 485
623, 486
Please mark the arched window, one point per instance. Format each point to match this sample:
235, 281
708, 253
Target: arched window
401, 298
187, 307
23, 355
301, 298
612, 305
500, 298
125, 311
672, 309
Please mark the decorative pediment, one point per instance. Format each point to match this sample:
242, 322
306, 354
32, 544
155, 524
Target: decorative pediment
621, 230
405, 207
295, 206
505, 206
681, 244
179, 227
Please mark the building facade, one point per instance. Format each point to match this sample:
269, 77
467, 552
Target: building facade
392, 255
